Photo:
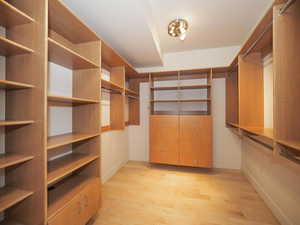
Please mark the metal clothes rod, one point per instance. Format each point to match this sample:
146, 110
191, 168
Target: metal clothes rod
261, 143
267, 28
289, 156
286, 6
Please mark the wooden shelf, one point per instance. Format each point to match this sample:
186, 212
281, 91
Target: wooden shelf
10, 222
291, 144
63, 193
233, 124
65, 165
66, 139
66, 57
10, 159
68, 25
260, 131
11, 16
10, 48
10, 196
15, 122
12, 85
111, 86
200, 86
181, 100
69, 101
131, 92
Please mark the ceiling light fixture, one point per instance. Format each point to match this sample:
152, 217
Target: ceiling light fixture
178, 28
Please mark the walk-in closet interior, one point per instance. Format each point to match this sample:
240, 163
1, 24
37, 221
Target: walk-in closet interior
149, 112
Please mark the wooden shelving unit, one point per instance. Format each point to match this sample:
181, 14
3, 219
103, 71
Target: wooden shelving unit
73, 45
23, 47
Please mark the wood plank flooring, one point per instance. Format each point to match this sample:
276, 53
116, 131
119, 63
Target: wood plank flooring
141, 194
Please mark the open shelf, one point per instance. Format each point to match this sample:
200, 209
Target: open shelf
291, 144
111, 86
10, 48
15, 122
66, 57
11, 16
68, 25
65, 165
10, 159
10, 196
200, 86
66, 139
70, 101
181, 100
260, 131
11, 85
62, 193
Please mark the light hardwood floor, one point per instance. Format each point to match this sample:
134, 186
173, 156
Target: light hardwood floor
140, 194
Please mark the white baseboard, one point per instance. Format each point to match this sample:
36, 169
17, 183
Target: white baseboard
109, 174
278, 213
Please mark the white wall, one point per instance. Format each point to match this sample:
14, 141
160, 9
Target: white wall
268, 91
204, 58
226, 145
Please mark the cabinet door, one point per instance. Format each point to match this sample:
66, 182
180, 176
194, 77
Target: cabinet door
195, 141
164, 134
71, 214
90, 200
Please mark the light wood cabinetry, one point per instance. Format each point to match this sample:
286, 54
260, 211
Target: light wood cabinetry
164, 139
195, 141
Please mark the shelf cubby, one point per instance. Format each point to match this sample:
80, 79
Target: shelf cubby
61, 55
10, 196
69, 101
11, 48
66, 139
59, 168
11, 159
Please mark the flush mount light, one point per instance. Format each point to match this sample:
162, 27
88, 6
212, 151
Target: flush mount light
178, 28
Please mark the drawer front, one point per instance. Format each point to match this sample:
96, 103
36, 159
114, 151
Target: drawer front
70, 214
90, 200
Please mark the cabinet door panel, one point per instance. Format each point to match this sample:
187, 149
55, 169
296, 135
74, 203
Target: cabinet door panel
195, 141
164, 134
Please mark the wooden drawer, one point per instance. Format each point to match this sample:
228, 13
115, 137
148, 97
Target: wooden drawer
81, 208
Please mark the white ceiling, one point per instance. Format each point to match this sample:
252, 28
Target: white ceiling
137, 29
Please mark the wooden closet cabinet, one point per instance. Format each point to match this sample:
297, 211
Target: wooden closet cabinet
184, 140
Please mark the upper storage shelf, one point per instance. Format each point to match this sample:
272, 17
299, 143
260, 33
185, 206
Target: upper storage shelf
70, 27
10, 48
11, 16
66, 57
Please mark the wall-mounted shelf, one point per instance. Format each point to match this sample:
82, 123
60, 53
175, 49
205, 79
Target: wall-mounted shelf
65, 165
10, 48
9, 196
66, 57
69, 101
15, 122
111, 86
11, 16
66, 139
10, 159
131, 92
263, 132
12, 85
62, 194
